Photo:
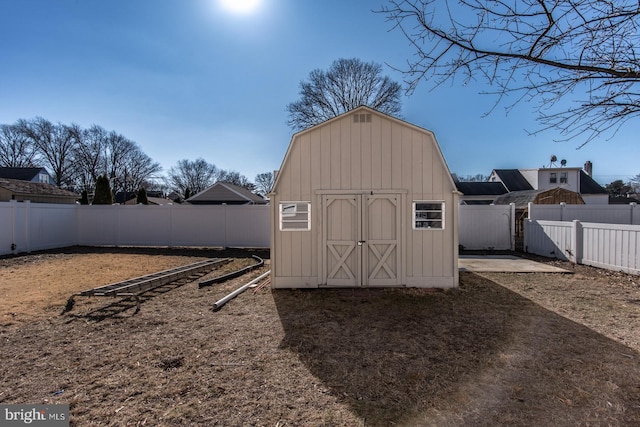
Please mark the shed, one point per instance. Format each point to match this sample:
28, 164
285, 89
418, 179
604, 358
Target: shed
550, 196
521, 200
364, 200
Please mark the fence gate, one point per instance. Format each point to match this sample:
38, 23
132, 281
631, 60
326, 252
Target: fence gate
361, 239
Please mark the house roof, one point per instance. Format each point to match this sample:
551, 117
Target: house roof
513, 179
481, 188
23, 174
589, 186
34, 188
151, 200
223, 192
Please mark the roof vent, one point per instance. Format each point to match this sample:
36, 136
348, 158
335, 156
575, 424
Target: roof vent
361, 118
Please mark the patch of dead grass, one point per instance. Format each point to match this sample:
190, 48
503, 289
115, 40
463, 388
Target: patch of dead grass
500, 350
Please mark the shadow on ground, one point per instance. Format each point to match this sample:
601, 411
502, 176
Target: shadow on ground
477, 355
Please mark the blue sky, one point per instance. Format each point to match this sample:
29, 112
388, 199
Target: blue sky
188, 78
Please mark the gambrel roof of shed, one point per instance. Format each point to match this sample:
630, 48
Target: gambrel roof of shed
296, 136
522, 198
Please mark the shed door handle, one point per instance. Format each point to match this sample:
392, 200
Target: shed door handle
360, 242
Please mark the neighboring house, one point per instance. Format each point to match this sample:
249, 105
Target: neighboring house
152, 201
364, 200
569, 178
175, 197
480, 193
27, 174
13, 189
222, 193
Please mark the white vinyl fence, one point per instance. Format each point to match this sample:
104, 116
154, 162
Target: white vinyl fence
610, 246
609, 214
487, 227
26, 226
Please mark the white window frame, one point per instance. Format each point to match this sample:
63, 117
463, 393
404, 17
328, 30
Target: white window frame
287, 217
415, 218
564, 178
553, 178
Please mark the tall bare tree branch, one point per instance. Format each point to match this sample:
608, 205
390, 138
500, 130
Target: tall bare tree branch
348, 84
540, 50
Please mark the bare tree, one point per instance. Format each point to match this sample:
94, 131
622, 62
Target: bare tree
99, 152
140, 170
236, 178
471, 178
634, 183
192, 175
118, 149
16, 148
539, 50
264, 182
89, 155
55, 144
349, 83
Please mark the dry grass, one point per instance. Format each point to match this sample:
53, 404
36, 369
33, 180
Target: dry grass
518, 349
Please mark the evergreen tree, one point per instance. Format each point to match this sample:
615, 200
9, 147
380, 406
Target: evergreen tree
142, 196
103, 195
84, 199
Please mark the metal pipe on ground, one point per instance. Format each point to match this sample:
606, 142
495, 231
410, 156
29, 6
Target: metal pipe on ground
218, 305
234, 274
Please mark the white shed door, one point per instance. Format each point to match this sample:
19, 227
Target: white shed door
361, 240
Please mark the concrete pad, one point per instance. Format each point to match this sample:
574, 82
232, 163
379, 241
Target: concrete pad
504, 264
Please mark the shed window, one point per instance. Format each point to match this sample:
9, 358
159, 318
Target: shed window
428, 215
295, 216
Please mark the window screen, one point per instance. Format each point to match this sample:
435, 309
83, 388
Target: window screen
428, 215
295, 216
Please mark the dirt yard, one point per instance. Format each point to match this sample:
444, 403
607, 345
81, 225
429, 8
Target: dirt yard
503, 349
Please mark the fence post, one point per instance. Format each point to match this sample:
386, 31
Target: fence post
170, 242
512, 225
14, 206
562, 206
576, 242
530, 211
27, 224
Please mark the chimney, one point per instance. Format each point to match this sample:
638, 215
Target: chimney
588, 168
